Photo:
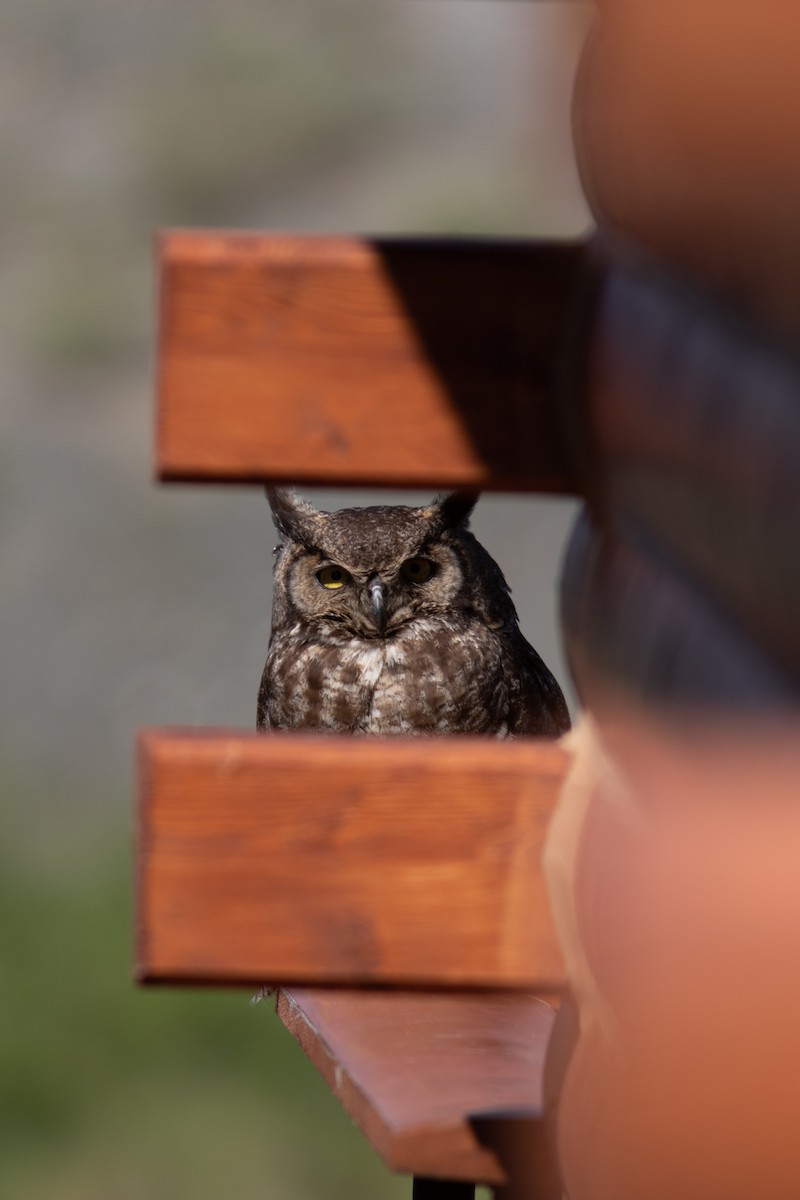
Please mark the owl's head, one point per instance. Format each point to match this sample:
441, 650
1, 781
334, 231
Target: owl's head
368, 572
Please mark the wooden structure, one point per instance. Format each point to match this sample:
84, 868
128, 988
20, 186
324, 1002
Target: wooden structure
655, 373
308, 861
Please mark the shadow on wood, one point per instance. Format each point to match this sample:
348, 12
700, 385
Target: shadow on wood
339, 361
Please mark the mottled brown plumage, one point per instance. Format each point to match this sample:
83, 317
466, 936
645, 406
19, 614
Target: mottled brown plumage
395, 620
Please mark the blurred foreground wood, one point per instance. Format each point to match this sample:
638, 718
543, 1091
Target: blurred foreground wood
686, 125
297, 859
686, 1078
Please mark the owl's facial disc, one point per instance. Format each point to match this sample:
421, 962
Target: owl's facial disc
358, 600
378, 592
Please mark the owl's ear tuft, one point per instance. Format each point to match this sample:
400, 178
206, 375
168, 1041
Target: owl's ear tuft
456, 509
294, 517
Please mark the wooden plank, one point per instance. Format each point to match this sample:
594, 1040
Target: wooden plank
338, 361
283, 858
417, 1071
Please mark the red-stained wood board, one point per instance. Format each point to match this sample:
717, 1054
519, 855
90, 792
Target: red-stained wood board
340, 362
294, 859
418, 1073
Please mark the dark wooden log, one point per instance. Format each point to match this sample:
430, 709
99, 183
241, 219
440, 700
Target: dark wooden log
634, 628
689, 430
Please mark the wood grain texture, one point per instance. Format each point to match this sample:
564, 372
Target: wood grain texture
335, 361
283, 858
415, 1070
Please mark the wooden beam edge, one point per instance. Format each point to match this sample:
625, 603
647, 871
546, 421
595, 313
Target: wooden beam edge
411, 1149
222, 756
256, 372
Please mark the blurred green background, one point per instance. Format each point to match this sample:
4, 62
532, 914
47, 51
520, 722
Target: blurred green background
122, 604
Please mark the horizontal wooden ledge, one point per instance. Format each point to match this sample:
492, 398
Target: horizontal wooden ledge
419, 1073
294, 859
339, 361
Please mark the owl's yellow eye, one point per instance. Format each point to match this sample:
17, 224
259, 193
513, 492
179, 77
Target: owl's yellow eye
333, 577
417, 570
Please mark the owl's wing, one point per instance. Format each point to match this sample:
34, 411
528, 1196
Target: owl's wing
262, 714
536, 703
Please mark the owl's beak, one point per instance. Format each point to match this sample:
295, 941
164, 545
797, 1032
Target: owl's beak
377, 601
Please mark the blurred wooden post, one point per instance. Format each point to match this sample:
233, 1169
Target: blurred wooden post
680, 600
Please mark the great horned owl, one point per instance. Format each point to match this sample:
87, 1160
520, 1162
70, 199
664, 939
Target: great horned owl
395, 620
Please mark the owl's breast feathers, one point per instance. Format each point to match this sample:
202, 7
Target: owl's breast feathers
437, 675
